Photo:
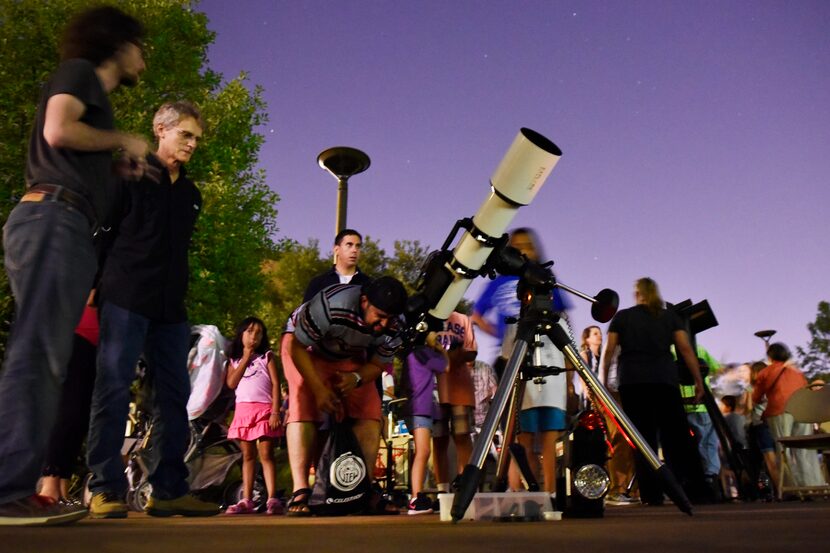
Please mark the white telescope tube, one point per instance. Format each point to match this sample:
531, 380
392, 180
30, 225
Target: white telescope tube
514, 184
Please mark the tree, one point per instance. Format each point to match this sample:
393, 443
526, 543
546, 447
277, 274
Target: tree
406, 263
238, 218
373, 260
287, 275
815, 358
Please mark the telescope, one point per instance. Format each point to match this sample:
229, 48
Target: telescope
483, 250
447, 274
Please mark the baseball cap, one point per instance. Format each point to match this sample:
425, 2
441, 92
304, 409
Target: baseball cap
387, 294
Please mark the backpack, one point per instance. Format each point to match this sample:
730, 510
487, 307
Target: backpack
343, 484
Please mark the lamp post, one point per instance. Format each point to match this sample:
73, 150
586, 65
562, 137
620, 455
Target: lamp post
765, 335
343, 162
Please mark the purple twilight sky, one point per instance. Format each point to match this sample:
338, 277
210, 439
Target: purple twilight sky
695, 136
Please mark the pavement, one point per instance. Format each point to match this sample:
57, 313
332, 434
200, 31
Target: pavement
758, 527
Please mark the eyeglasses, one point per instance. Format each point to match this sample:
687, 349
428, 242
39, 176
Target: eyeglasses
188, 136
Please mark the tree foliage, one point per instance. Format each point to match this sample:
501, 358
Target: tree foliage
234, 231
815, 357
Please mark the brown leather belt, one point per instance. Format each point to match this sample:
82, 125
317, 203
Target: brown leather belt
53, 192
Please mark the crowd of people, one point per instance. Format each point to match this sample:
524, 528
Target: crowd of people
104, 261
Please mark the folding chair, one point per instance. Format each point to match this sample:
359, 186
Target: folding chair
809, 405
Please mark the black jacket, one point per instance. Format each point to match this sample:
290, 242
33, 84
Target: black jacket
330, 278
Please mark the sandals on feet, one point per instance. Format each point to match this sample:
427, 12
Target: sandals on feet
244, 507
274, 507
298, 504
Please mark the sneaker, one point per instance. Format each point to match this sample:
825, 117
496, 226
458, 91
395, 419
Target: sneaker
185, 505
421, 505
244, 507
274, 507
107, 505
38, 510
620, 499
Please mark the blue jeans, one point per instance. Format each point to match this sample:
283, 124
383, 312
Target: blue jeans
124, 336
707, 442
51, 263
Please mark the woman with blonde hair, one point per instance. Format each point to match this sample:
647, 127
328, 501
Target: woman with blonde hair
649, 384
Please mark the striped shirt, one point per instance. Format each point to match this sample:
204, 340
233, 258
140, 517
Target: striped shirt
331, 324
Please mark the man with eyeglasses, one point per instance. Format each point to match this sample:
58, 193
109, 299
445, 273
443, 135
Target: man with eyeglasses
142, 293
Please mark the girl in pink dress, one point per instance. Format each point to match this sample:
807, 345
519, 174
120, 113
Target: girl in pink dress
252, 373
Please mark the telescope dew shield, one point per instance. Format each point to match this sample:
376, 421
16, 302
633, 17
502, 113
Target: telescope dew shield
514, 184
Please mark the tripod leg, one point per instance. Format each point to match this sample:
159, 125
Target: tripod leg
472, 472
670, 485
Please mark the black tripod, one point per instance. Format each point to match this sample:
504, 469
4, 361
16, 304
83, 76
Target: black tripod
537, 318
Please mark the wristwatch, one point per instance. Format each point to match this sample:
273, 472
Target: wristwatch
359, 379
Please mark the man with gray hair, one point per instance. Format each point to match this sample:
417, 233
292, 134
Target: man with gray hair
142, 293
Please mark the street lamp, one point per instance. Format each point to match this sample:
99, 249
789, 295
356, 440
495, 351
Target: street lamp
343, 162
765, 335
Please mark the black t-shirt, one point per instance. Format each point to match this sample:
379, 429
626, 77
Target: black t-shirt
645, 342
146, 268
88, 173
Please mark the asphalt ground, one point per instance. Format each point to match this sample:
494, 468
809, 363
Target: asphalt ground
756, 527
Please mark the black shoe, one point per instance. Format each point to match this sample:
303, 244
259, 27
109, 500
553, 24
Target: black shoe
420, 505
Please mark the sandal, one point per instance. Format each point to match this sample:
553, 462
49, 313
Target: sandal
274, 507
298, 504
244, 507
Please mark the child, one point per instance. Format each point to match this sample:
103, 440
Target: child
252, 372
734, 420
72, 424
418, 384
457, 399
542, 413
736, 423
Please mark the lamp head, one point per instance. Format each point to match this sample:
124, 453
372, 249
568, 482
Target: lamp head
343, 162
